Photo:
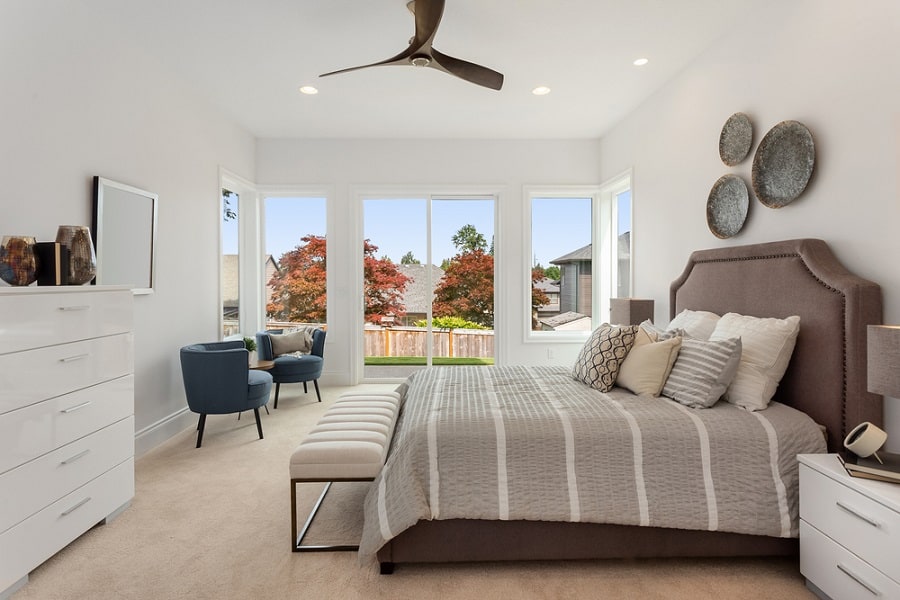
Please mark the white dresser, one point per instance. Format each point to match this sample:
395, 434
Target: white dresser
849, 532
66, 419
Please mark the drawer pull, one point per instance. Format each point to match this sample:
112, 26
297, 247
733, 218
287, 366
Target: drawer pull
75, 307
66, 513
858, 514
72, 409
82, 454
846, 571
69, 359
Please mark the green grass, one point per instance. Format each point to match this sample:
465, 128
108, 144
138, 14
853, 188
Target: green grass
420, 360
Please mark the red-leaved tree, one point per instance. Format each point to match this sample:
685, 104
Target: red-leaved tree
298, 286
467, 288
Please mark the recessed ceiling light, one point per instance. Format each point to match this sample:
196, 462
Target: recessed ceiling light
541, 90
641, 62
308, 90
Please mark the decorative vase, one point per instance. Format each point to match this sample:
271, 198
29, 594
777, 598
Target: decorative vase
18, 262
82, 259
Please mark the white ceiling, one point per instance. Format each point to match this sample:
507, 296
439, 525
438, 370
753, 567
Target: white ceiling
250, 58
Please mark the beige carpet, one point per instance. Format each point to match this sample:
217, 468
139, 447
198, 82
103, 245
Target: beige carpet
215, 523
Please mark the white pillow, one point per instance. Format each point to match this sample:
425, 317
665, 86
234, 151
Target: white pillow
646, 368
702, 371
767, 347
699, 324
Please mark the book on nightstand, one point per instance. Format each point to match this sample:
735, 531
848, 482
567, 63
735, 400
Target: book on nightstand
870, 468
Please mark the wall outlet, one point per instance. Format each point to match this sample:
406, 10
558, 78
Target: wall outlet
550, 353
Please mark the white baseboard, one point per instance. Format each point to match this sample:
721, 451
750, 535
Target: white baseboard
153, 435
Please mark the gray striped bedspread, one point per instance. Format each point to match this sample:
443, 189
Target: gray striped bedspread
531, 443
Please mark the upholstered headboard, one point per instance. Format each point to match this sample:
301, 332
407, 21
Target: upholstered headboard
826, 378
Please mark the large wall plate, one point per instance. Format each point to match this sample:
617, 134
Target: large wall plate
726, 208
783, 164
736, 139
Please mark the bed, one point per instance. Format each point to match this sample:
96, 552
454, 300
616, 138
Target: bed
825, 381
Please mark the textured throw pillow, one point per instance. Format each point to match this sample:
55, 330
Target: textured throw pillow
646, 368
699, 324
702, 371
298, 341
767, 347
598, 362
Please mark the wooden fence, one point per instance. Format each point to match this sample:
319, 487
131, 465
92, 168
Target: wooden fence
411, 341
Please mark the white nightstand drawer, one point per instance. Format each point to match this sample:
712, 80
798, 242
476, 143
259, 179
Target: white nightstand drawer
34, 485
29, 432
42, 317
39, 537
35, 375
865, 527
838, 572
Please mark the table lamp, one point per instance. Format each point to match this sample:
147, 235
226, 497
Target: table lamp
883, 377
630, 311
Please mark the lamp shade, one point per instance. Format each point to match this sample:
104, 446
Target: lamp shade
883, 349
630, 311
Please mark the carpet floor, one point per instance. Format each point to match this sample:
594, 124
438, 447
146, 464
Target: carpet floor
214, 523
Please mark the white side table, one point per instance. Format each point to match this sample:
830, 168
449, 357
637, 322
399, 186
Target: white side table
849, 532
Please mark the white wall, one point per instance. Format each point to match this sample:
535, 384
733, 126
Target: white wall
78, 102
829, 65
347, 166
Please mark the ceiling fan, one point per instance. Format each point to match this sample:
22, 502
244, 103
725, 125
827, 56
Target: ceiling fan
420, 52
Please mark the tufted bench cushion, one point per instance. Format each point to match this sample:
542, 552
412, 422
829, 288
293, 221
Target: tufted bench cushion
349, 443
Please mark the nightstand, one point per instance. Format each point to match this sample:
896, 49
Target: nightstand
849, 532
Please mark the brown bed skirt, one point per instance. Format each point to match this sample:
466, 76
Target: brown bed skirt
471, 540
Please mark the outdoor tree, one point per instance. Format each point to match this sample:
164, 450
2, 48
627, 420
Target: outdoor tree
298, 286
552, 273
538, 297
228, 213
409, 259
467, 239
467, 288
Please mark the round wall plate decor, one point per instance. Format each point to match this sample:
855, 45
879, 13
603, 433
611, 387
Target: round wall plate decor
735, 139
783, 164
726, 208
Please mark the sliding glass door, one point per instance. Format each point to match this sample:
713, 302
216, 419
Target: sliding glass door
428, 283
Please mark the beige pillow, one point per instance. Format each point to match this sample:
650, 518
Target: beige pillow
299, 341
646, 368
767, 347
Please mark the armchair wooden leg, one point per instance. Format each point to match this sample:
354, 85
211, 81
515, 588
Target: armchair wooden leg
318, 395
305, 390
258, 422
200, 426
277, 389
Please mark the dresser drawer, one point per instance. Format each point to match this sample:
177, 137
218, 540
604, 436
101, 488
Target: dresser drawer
48, 317
29, 432
42, 535
38, 483
865, 527
838, 572
35, 375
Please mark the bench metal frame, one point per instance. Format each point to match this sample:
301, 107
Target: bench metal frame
297, 540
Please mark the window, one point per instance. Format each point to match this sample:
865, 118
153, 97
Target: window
579, 251
230, 270
294, 261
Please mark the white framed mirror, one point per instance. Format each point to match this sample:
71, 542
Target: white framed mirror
125, 235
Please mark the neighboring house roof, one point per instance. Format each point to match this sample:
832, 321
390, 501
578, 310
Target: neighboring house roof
547, 285
418, 297
583, 253
566, 320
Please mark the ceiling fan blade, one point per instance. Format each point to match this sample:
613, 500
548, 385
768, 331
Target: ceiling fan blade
465, 70
428, 15
400, 59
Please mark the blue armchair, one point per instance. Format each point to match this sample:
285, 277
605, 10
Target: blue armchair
218, 381
293, 369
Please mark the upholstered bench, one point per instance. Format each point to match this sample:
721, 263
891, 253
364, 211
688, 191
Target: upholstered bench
349, 443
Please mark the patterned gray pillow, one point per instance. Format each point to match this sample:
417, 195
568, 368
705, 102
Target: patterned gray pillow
598, 362
702, 371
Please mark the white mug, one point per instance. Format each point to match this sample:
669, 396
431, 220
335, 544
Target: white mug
865, 439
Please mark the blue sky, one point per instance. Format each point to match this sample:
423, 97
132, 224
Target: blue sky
397, 226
